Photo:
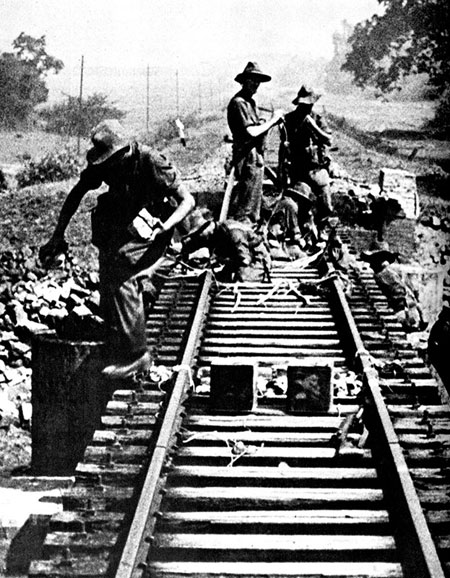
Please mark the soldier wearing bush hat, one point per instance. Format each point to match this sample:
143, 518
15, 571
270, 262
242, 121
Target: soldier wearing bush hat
132, 225
303, 153
399, 293
248, 130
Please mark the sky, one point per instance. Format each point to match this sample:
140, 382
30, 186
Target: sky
138, 33
203, 42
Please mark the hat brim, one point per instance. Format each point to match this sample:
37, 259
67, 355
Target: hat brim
259, 76
310, 99
197, 231
302, 195
93, 156
379, 255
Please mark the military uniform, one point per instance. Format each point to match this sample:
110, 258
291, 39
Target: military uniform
124, 260
238, 246
248, 158
301, 157
138, 179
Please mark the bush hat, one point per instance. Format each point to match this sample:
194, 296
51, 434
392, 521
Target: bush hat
301, 193
377, 256
108, 138
252, 70
306, 95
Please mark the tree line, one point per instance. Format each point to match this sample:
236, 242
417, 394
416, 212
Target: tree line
23, 74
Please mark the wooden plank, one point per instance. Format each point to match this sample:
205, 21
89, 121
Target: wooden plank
438, 410
257, 323
238, 332
423, 440
239, 474
79, 542
280, 453
276, 569
276, 313
127, 408
416, 425
279, 543
282, 438
256, 352
276, 342
122, 436
122, 455
284, 422
74, 521
229, 497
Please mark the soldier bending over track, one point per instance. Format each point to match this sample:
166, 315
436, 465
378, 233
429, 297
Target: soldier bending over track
132, 225
234, 244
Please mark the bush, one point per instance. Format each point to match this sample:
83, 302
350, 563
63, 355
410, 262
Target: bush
54, 166
68, 118
441, 121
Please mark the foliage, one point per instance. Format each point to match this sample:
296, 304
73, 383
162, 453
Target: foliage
55, 166
74, 118
22, 78
410, 37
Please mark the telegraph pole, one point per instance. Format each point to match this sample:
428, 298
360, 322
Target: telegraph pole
80, 104
177, 89
148, 99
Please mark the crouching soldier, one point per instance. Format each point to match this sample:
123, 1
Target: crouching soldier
132, 226
400, 295
292, 221
232, 244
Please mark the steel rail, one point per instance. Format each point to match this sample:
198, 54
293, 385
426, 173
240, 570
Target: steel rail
138, 543
136, 547
420, 557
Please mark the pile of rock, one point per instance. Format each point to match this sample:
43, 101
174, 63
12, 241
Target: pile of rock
32, 300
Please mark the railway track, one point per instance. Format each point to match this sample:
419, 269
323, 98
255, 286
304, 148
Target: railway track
172, 486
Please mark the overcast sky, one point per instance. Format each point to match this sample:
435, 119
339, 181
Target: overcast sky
152, 32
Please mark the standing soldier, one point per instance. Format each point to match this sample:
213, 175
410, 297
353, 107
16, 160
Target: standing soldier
132, 225
304, 140
248, 131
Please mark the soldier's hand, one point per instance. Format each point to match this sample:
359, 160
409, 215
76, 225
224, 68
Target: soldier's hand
157, 231
278, 115
50, 253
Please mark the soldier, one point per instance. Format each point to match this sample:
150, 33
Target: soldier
400, 295
233, 243
248, 131
132, 225
302, 155
292, 222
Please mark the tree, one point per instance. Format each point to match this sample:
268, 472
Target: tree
22, 78
410, 37
70, 118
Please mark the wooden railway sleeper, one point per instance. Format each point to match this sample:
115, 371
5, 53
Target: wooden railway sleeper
134, 561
